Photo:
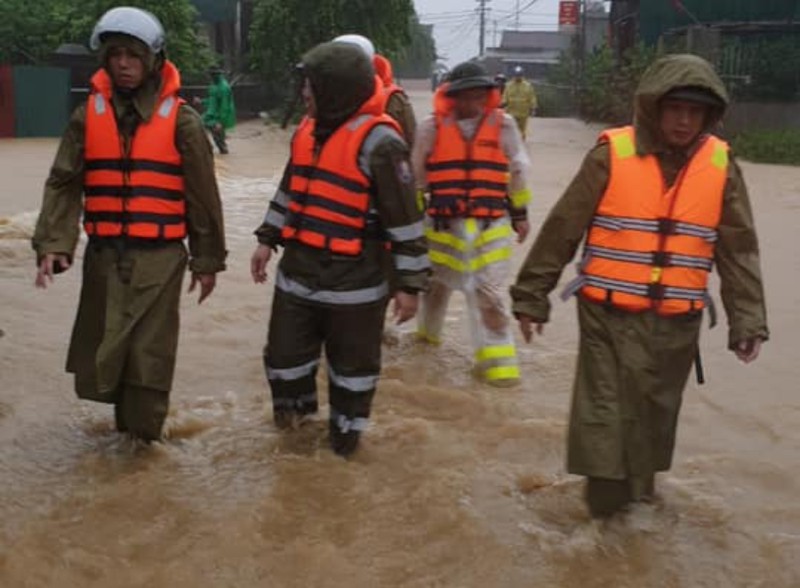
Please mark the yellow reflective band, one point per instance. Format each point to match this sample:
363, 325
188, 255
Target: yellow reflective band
494, 234
502, 373
521, 198
420, 200
470, 226
440, 258
720, 157
424, 336
446, 239
623, 146
655, 275
491, 257
495, 352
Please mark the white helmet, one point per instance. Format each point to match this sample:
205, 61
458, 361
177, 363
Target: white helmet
518, 70
135, 22
359, 41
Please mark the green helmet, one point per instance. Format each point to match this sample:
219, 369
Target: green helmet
468, 75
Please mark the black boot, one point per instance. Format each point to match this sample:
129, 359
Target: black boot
219, 140
285, 418
143, 412
343, 443
606, 497
119, 417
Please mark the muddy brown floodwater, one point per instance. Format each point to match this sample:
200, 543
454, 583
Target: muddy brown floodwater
457, 484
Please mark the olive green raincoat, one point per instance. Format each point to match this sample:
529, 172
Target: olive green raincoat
632, 368
126, 331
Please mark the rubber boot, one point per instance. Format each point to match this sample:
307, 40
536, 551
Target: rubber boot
606, 497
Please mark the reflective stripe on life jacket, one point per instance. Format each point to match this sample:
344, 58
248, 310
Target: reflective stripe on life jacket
651, 247
468, 177
329, 194
139, 195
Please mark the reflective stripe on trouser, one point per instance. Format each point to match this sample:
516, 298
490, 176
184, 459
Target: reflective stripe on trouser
474, 257
352, 338
353, 351
291, 356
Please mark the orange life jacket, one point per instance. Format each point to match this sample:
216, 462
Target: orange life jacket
651, 247
383, 69
139, 195
467, 178
329, 194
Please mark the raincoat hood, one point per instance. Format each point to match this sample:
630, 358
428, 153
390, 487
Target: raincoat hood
342, 79
663, 76
383, 69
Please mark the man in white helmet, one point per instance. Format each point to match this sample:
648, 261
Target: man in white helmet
398, 106
135, 165
519, 100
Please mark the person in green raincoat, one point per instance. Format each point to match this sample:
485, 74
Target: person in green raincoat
219, 110
636, 347
139, 194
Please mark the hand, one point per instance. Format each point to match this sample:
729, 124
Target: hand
48, 266
522, 228
207, 283
405, 307
526, 327
748, 349
258, 263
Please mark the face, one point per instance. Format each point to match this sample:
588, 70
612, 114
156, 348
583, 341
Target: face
471, 103
125, 67
308, 99
682, 121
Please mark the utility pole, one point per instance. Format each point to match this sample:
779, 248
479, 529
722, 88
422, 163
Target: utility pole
482, 39
516, 17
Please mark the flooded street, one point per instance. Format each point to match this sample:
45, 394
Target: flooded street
457, 484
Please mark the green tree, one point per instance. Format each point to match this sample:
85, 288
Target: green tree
605, 91
28, 36
283, 30
416, 60
772, 68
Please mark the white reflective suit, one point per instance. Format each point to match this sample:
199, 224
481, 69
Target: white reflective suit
474, 256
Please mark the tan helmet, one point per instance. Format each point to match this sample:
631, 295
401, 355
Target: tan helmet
135, 22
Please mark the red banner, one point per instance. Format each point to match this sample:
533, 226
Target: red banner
6, 102
568, 12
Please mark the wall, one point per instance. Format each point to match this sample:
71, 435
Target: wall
761, 116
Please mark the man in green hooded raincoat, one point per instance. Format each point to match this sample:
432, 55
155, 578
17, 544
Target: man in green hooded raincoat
219, 110
136, 208
346, 199
633, 365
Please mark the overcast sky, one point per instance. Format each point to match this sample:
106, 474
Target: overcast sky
456, 22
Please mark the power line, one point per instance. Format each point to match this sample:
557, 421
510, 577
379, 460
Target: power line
515, 13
